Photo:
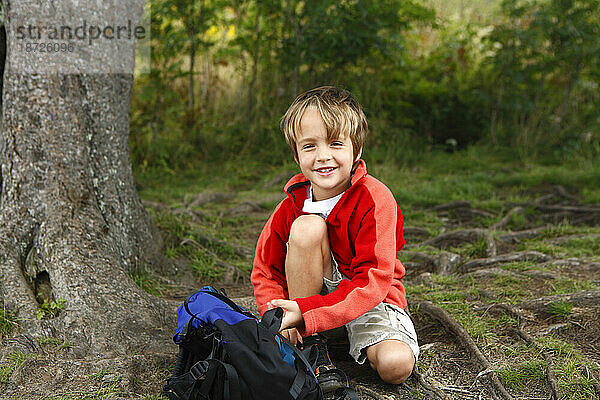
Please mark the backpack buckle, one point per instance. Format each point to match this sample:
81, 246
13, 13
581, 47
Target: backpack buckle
199, 369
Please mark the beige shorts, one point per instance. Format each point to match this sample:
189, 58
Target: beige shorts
385, 321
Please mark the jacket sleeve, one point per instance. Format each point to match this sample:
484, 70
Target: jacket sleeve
268, 276
372, 270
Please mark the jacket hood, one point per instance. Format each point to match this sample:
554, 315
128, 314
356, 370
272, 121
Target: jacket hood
295, 189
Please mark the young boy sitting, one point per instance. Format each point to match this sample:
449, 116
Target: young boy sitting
328, 255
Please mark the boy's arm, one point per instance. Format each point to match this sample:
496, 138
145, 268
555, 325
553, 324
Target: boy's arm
268, 276
373, 266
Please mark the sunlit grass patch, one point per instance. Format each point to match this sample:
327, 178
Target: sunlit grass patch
477, 249
511, 288
422, 219
542, 247
581, 247
567, 285
519, 266
559, 309
524, 374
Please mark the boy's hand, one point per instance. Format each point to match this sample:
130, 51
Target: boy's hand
292, 335
292, 316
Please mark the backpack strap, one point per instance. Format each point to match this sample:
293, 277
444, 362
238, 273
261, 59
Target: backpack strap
232, 388
221, 297
272, 321
341, 393
211, 369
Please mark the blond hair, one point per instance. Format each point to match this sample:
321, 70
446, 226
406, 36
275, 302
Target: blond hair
341, 114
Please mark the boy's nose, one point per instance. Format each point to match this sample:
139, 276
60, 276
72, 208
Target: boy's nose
323, 153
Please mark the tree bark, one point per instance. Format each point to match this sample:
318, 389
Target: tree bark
72, 226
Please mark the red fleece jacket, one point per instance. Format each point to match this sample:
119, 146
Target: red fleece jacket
365, 236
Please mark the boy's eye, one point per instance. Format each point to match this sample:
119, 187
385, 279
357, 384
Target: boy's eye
337, 143
307, 146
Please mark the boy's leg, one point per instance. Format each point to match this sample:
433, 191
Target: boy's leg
386, 337
308, 257
308, 260
392, 359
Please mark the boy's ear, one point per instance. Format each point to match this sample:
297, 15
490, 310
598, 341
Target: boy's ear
358, 155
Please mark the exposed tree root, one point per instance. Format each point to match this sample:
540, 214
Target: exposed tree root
563, 193
564, 239
243, 209
466, 340
451, 206
455, 238
568, 208
556, 212
586, 298
203, 198
412, 231
516, 237
371, 393
437, 392
506, 219
442, 264
504, 258
461, 209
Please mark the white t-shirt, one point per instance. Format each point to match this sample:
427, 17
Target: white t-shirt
323, 207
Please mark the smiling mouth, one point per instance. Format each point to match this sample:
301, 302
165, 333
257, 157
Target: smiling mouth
325, 170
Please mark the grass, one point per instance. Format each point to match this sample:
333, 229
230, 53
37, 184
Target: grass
11, 363
477, 249
568, 285
146, 282
8, 323
56, 343
523, 374
560, 309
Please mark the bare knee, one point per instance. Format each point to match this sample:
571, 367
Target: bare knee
393, 360
307, 231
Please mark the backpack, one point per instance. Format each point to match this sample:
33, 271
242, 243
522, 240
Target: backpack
226, 353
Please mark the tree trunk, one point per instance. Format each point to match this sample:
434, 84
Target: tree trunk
72, 226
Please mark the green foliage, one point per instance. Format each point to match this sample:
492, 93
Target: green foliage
97, 377
524, 74
56, 343
560, 309
543, 63
50, 308
524, 374
11, 363
8, 322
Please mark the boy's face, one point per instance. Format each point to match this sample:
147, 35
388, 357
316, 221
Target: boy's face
326, 164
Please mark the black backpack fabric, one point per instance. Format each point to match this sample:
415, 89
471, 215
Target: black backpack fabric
226, 353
